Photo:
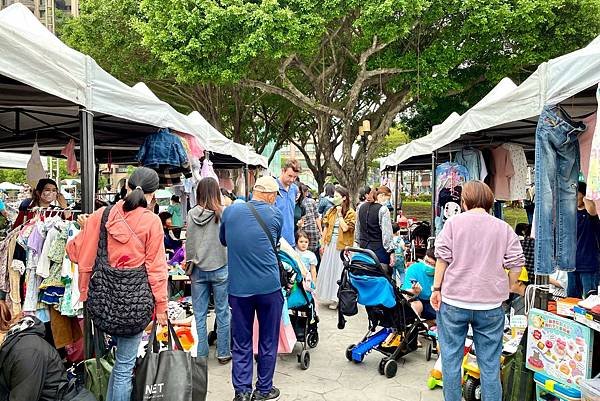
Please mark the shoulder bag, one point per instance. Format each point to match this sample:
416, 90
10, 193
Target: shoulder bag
287, 278
120, 301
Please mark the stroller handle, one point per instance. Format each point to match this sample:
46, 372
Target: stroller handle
368, 252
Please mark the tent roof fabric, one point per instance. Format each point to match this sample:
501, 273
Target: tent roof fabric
509, 113
39, 75
15, 160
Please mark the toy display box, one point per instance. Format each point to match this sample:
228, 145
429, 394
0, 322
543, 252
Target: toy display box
559, 348
547, 389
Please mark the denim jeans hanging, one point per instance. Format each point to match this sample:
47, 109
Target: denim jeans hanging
556, 173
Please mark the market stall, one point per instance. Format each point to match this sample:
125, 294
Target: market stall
514, 126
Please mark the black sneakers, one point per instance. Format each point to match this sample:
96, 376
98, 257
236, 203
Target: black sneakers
243, 397
273, 395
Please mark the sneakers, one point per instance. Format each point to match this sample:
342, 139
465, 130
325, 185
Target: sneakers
590, 302
333, 306
243, 397
273, 395
224, 360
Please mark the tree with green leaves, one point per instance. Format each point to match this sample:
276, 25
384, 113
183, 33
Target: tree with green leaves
105, 31
345, 61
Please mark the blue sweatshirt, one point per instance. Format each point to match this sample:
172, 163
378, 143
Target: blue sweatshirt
252, 263
588, 239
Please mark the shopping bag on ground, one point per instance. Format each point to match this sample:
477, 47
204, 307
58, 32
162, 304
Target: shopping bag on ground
99, 368
171, 374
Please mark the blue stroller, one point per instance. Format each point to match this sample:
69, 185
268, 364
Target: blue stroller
301, 307
393, 325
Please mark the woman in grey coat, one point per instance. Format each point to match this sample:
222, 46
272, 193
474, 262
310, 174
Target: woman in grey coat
208, 261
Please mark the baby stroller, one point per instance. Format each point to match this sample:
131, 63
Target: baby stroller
301, 306
393, 325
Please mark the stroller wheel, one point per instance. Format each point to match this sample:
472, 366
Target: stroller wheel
381, 367
390, 368
313, 339
349, 352
304, 360
428, 352
212, 338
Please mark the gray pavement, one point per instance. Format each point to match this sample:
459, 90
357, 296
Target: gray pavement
330, 376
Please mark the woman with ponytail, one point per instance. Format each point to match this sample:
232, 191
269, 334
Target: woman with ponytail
134, 239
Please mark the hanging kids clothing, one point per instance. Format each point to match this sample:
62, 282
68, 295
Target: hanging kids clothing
593, 174
164, 153
518, 182
450, 178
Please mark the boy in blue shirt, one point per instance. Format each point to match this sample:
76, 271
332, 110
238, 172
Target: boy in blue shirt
418, 280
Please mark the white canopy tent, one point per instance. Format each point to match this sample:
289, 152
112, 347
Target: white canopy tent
509, 114
8, 186
35, 57
15, 160
213, 140
50, 93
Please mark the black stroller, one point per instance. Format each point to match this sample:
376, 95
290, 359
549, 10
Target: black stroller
394, 327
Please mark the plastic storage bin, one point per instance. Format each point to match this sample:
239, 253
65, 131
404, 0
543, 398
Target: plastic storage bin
547, 389
590, 389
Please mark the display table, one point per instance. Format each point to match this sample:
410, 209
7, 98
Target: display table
583, 319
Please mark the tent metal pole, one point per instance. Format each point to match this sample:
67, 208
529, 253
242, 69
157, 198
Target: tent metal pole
246, 183
86, 132
433, 184
396, 192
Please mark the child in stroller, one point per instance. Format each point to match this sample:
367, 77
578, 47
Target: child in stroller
393, 325
301, 303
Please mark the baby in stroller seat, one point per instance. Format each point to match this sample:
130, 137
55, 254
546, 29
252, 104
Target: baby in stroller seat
394, 327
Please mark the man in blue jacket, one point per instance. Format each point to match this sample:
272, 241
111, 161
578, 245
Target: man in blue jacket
254, 288
286, 199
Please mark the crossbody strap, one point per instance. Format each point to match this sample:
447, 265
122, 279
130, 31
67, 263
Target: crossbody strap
262, 224
102, 253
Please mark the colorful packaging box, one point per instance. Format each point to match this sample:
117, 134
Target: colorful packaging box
559, 347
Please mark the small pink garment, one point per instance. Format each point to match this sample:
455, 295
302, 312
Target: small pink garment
585, 147
196, 149
208, 170
69, 152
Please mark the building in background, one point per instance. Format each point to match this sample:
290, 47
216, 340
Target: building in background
47, 10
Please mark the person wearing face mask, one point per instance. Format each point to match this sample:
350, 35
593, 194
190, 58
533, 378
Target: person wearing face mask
338, 233
45, 195
374, 226
418, 281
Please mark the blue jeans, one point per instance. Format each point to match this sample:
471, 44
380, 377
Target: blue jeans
119, 385
488, 325
556, 175
202, 284
268, 309
580, 283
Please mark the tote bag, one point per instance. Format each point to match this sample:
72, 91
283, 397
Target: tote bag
172, 374
99, 368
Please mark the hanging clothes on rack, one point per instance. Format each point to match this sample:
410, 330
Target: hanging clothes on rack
196, 150
69, 152
585, 149
593, 173
35, 168
503, 171
555, 216
450, 179
518, 181
164, 153
472, 159
208, 170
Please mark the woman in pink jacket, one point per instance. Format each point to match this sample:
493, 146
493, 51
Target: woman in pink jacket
469, 287
134, 238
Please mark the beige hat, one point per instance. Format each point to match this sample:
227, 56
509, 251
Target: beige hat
266, 184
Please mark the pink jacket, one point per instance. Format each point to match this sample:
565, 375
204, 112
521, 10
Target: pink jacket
145, 245
477, 248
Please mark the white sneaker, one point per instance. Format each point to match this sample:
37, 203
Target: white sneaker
333, 306
590, 302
